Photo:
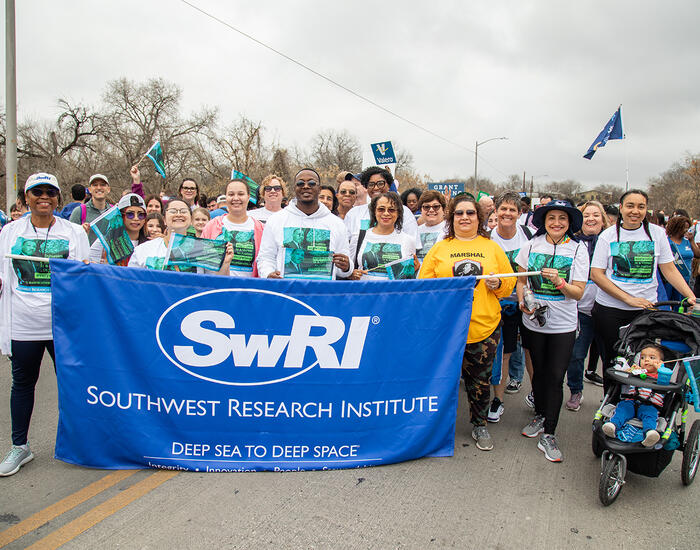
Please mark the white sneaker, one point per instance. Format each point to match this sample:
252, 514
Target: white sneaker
15, 459
609, 429
651, 439
495, 410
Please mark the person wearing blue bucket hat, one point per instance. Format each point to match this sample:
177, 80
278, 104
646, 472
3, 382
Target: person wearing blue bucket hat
549, 327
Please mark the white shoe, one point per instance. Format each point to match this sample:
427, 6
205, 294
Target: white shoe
15, 459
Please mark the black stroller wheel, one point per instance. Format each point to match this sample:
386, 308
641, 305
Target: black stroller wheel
691, 454
612, 478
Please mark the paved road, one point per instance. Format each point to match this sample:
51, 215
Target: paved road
510, 497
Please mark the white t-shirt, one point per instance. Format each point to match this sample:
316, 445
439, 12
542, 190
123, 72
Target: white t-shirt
631, 263
570, 258
585, 304
242, 235
377, 250
357, 219
96, 250
151, 255
261, 214
31, 281
427, 236
511, 247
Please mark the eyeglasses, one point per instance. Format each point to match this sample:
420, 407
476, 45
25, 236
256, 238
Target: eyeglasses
188, 188
132, 215
378, 184
51, 192
277, 188
460, 213
429, 207
174, 211
347, 192
384, 209
310, 183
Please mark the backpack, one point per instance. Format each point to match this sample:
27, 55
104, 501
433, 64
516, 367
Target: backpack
83, 212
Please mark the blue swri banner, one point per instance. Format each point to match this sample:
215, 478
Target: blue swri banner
205, 373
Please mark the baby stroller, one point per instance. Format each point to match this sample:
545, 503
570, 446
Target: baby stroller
679, 336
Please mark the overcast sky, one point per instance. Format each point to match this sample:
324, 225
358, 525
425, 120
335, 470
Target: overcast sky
548, 75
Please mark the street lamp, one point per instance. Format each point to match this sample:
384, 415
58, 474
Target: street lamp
476, 158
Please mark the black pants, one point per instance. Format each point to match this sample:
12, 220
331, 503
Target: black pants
550, 354
606, 328
26, 363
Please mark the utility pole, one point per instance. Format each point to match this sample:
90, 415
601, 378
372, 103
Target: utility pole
10, 106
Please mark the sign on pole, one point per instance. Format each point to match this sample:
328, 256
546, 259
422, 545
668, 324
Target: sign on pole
383, 153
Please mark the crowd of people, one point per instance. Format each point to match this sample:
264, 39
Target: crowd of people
589, 270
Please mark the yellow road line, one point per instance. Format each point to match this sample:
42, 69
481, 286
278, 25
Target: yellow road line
102, 511
62, 506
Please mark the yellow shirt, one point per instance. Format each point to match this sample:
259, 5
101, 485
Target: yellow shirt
480, 256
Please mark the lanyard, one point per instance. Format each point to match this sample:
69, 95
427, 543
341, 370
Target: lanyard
48, 230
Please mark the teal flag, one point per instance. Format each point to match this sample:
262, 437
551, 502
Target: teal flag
155, 153
236, 175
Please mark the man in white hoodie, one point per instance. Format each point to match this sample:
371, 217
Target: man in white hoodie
322, 233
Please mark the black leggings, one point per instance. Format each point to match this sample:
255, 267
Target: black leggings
550, 354
606, 328
26, 363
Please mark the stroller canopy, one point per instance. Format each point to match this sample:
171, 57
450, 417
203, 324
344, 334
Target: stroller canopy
657, 326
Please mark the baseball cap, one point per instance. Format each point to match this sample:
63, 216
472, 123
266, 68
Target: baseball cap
98, 177
350, 176
42, 178
221, 198
132, 199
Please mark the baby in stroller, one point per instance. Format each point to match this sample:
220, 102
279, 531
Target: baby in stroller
641, 403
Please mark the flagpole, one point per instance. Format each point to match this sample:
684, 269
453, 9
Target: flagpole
627, 160
146, 153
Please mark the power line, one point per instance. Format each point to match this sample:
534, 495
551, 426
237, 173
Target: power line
335, 83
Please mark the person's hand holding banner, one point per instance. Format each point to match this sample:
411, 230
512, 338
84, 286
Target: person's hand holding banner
342, 261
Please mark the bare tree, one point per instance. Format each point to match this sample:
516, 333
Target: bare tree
334, 151
561, 189
678, 187
136, 115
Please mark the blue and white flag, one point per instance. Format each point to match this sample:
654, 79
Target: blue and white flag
612, 130
207, 373
383, 153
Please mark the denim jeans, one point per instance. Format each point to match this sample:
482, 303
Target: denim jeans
574, 373
26, 364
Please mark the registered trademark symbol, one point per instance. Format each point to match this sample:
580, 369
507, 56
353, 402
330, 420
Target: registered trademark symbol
375, 320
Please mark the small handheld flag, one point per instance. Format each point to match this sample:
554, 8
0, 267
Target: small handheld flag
155, 153
612, 130
252, 185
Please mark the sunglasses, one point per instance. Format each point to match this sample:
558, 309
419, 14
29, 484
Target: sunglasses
310, 183
277, 188
132, 215
460, 213
51, 192
347, 192
429, 207
383, 209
